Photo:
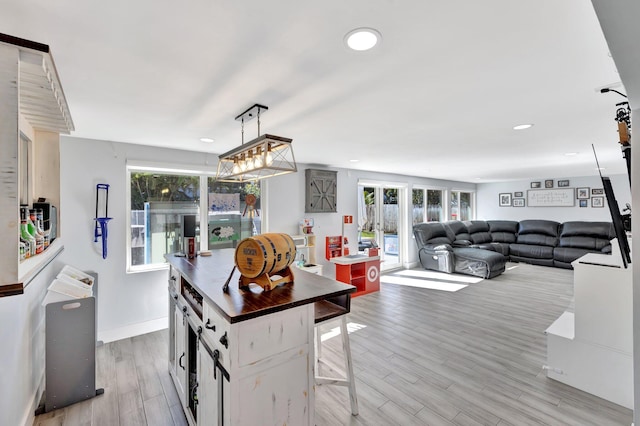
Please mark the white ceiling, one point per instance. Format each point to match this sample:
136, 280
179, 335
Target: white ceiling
437, 98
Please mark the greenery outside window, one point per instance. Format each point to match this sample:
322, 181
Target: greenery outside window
158, 199
434, 211
158, 202
461, 206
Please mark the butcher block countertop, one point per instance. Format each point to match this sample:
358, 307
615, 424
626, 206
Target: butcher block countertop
208, 274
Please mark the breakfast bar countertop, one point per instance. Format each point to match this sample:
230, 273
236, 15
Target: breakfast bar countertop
208, 274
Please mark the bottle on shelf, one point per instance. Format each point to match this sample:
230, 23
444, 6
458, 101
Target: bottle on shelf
39, 226
33, 230
22, 250
25, 235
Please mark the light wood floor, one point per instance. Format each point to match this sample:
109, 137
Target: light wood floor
421, 357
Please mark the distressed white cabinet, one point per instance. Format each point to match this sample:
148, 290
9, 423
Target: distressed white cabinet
32, 107
249, 356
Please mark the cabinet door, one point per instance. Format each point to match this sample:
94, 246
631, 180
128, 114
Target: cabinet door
208, 409
181, 354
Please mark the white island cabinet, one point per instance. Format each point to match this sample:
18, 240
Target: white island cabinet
244, 357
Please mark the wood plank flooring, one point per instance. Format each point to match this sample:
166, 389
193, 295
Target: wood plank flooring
421, 357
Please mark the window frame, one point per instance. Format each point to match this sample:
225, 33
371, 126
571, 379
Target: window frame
157, 167
451, 193
424, 189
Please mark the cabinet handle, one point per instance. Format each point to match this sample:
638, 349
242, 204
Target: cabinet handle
180, 361
224, 340
210, 326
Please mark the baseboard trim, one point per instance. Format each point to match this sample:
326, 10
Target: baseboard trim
131, 330
30, 416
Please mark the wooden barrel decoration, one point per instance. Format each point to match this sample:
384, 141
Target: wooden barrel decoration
260, 257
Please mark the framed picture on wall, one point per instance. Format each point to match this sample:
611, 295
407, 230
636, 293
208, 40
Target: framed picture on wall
597, 191
597, 202
535, 185
582, 193
504, 199
563, 183
518, 202
583, 203
518, 194
548, 183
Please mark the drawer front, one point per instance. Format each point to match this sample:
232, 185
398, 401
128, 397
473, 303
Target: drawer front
265, 336
216, 331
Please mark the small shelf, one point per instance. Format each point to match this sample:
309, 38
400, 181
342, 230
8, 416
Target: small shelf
29, 268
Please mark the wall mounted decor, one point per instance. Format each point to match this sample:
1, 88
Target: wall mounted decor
548, 183
535, 184
321, 191
505, 199
596, 202
583, 203
561, 197
518, 202
597, 191
563, 183
583, 193
518, 194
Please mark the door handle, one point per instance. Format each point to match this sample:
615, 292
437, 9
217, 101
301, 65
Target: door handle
180, 360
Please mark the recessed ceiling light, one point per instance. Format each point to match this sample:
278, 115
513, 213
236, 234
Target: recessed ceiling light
522, 126
207, 140
570, 154
362, 39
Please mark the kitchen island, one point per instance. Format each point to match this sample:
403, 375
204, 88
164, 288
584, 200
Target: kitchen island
245, 356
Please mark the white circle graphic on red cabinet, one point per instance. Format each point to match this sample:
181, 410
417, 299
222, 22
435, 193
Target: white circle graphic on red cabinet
372, 273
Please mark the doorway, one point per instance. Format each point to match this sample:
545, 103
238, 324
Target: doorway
382, 221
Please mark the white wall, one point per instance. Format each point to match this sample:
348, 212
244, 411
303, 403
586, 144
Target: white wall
489, 209
22, 348
127, 303
286, 202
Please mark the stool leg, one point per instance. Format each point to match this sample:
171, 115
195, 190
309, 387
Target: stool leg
349, 365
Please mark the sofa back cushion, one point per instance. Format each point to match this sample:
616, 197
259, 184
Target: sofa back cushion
503, 231
478, 231
459, 230
538, 232
587, 235
432, 233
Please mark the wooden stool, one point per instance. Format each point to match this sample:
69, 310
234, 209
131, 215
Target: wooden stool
325, 312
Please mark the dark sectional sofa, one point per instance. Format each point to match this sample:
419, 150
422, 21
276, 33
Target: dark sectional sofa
481, 248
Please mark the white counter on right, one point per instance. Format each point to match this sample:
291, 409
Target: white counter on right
591, 347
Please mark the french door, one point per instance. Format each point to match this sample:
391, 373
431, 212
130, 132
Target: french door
382, 221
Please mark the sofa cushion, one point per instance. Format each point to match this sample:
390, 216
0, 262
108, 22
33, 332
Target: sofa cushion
593, 236
569, 254
503, 231
432, 233
538, 233
459, 229
478, 231
531, 251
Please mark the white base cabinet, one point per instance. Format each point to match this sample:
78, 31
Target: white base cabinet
592, 348
244, 356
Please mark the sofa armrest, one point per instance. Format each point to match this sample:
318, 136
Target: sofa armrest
462, 243
436, 248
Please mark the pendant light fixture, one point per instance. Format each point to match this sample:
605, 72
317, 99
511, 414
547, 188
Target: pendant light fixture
263, 157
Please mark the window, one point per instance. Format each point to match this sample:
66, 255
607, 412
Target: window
461, 206
434, 205
160, 197
158, 203
233, 212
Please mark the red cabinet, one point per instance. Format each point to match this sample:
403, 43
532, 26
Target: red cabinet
361, 271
